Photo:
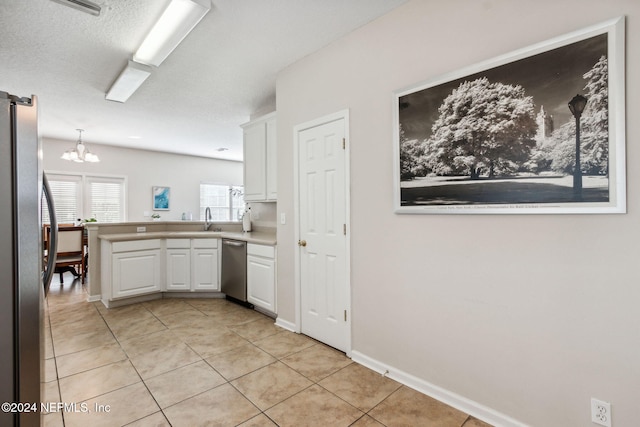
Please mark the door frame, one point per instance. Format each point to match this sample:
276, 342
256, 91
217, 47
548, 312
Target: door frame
342, 114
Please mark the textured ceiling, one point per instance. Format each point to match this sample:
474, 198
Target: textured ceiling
223, 72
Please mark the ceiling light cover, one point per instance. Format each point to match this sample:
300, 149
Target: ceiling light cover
83, 5
176, 22
128, 81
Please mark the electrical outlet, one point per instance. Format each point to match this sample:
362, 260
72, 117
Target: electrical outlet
601, 412
141, 229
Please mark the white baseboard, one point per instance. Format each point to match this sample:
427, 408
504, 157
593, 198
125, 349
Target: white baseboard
131, 300
461, 403
286, 324
94, 298
193, 295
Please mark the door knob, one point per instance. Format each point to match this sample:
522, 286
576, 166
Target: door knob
302, 243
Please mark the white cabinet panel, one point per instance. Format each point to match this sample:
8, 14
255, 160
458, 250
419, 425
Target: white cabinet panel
178, 243
272, 160
135, 245
261, 276
260, 153
178, 269
264, 251
205, 269
135, 273
255, 163
204, 243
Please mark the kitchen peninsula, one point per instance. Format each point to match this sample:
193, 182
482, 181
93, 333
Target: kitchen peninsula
154, 243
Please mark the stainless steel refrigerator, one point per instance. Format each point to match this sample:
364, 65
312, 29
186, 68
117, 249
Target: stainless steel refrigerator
23, 284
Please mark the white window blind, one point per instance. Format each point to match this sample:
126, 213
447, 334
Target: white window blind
106, 199
226, 202
66, 193
83, 197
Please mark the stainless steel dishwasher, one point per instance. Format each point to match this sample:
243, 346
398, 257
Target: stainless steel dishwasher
234, 270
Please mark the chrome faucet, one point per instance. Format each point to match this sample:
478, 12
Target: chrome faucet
207, 219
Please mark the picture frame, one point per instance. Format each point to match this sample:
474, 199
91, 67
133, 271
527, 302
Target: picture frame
161, 198
499, 137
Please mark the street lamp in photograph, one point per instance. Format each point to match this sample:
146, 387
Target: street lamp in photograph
576, 105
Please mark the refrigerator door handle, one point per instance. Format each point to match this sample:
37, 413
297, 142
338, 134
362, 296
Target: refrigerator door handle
47, 274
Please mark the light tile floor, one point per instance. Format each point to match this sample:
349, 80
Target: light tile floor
197, 362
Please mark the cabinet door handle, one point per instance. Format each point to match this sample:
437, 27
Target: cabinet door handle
302, 243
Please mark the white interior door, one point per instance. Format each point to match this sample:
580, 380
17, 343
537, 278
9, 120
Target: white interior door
324, 285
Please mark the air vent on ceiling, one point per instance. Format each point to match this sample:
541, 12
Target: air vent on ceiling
83, 5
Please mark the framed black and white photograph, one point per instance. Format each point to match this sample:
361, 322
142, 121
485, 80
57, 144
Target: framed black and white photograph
539, 130
161, 198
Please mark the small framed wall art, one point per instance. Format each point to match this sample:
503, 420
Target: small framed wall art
161, 198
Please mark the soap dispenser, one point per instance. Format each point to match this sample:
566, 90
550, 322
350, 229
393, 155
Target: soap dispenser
246, 220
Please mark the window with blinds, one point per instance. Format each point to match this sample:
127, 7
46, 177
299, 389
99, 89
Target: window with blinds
106, 199
225, 201
84, 196
67, 197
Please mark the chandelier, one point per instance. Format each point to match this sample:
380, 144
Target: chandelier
80, 153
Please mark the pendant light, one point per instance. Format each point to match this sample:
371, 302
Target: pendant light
80, 153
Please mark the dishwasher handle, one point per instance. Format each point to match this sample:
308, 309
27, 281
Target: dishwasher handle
233, 243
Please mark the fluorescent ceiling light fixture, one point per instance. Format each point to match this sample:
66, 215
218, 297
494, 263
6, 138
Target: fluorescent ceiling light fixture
128, 81
177, 20
83, 5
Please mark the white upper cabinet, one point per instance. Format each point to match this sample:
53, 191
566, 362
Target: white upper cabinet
260, 168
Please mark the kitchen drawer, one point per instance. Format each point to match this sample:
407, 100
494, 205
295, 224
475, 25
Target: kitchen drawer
178, 243
205, 243
261, 250
135, 245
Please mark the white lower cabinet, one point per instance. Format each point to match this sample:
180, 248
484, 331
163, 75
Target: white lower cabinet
130, 268
261, 276
204, 264
178, 263
139, 267
192, 265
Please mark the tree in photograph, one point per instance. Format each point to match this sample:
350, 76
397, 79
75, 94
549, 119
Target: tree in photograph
594, 147
540, 158
482, 128
411, 157
563, 146
595, 121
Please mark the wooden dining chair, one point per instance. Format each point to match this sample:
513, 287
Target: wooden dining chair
70, 253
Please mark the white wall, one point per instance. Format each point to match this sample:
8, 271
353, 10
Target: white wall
528, 315
145, 169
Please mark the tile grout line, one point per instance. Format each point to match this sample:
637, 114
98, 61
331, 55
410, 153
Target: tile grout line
252, 341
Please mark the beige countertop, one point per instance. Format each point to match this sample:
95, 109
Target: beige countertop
258, 237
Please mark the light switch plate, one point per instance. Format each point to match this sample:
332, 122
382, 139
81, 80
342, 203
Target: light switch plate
283, 218
141, 229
